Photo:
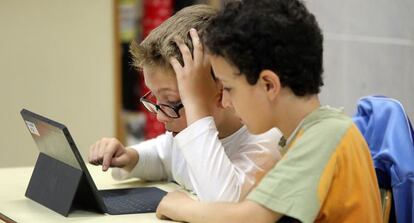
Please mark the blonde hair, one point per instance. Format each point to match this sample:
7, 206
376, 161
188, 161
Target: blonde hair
159, 46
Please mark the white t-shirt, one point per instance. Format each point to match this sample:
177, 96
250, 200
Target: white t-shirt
216, 170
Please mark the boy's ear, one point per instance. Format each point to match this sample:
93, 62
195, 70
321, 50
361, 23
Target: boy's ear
271, 83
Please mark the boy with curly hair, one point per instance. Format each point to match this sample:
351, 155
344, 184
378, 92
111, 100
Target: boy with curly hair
268, 56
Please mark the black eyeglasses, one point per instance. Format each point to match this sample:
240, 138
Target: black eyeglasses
171, 111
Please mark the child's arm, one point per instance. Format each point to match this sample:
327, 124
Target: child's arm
141, 160
179, 207
217, 176
198, 90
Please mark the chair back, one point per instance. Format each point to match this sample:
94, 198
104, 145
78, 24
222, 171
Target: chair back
389, 134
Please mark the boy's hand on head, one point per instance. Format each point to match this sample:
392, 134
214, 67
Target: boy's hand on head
197, 88
174, 206
109, 152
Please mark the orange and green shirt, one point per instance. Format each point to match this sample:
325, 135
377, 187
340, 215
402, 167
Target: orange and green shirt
326, 173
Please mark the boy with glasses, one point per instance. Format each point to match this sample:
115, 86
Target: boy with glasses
212, 155
268, 56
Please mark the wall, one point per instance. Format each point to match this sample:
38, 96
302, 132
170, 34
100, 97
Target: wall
369, 49
56, 59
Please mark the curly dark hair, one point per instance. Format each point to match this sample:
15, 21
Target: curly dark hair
278, 35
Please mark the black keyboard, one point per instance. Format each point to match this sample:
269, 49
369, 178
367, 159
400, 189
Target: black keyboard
132, 200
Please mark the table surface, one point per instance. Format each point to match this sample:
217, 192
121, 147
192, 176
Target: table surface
14, 205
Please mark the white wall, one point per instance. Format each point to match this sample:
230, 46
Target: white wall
57, 59
369, 49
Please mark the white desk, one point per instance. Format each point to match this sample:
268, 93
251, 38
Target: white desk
13, 203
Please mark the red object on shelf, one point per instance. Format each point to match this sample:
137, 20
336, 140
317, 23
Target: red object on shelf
155, 12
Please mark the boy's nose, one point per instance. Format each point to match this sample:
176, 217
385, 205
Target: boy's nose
161, 117
225, 101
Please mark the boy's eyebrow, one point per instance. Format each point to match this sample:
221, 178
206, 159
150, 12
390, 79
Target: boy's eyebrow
163, 89
235, 74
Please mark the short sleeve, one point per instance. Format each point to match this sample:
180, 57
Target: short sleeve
291, 188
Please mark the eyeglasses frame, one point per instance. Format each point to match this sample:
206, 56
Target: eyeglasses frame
176, 108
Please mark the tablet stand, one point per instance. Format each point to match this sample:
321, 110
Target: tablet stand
54, 184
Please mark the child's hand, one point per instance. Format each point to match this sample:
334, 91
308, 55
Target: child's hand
173, 206
198, 90
109, 152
